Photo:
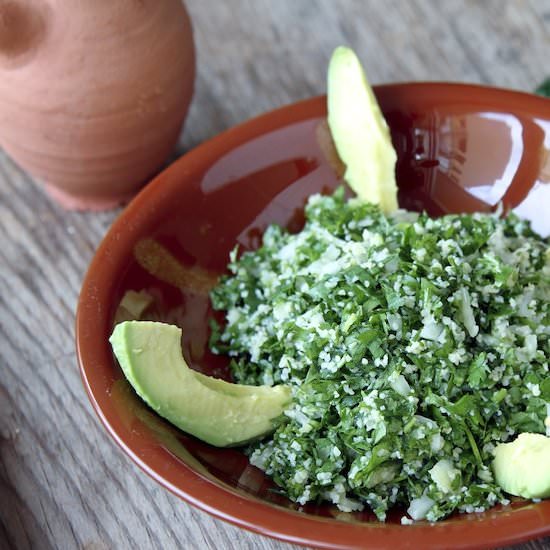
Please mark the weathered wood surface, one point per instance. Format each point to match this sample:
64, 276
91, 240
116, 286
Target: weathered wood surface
63, 482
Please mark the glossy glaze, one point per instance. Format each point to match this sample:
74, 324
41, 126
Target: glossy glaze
454, 154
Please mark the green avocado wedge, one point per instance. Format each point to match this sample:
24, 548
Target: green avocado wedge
215, 411
360, 132
522, 467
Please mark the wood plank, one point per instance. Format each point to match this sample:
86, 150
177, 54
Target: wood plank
63, 481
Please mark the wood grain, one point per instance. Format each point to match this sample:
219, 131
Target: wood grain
63, 482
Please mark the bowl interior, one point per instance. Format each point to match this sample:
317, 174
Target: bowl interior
460, 148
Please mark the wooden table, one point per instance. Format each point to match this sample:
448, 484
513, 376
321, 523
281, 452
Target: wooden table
63, 482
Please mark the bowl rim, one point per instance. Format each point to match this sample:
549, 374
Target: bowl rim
222, 501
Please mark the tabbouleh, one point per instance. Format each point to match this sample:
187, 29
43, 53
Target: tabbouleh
413, 346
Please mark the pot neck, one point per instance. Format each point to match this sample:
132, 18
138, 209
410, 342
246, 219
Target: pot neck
23, 26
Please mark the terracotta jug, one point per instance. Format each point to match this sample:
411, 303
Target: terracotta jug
93, 93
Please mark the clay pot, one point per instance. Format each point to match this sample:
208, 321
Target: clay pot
93, 94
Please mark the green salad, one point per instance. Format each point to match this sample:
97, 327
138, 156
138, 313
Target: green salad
413, 346
385, 357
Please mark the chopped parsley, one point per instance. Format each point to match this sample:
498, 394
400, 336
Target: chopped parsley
413, 346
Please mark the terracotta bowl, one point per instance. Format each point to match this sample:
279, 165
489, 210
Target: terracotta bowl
461, 148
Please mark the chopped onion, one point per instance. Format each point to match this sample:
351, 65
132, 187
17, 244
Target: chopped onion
467, 312
437, 442
419, 507
399, 384
443, 473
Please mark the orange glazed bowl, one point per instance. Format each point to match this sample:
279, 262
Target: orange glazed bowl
461, 148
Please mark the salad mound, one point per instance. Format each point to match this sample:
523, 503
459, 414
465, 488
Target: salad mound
413, 347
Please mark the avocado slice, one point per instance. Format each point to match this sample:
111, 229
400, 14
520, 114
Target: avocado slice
360, 132
215, 411
522, 467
